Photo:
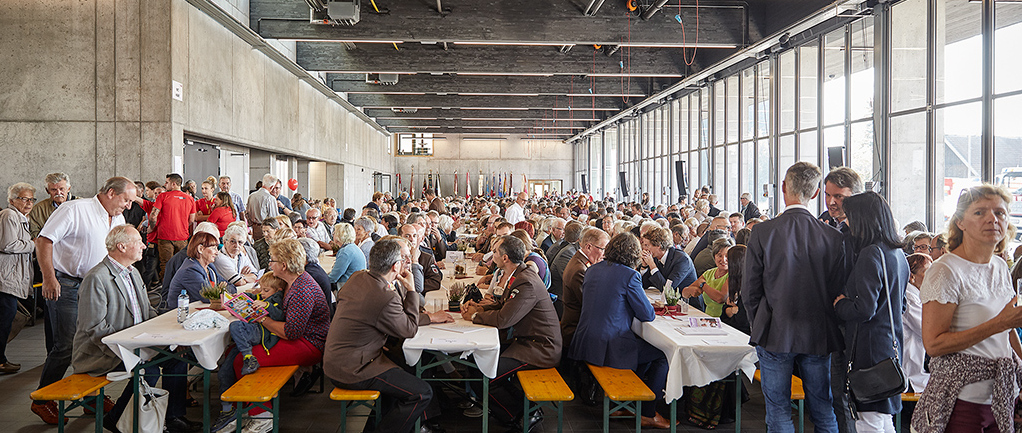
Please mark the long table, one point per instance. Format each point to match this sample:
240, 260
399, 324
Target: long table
157, 339
698, 360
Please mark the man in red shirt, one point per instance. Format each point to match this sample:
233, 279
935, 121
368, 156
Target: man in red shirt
173, 215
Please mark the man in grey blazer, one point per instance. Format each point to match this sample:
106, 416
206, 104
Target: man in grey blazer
112, 297
794, 268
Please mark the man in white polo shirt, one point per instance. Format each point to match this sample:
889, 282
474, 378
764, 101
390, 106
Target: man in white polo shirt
72, 242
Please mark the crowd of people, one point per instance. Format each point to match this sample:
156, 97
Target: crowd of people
561, 277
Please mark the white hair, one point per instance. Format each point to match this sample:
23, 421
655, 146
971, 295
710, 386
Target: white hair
269, 180
344, 233
15, 190
311, 250
445, 223
53, 178
119, 235
235, 230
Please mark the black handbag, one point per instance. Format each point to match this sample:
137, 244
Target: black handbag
883, 380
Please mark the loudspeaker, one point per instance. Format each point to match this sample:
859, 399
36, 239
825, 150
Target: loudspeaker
835, 157
679, 170
585, 185
623, 183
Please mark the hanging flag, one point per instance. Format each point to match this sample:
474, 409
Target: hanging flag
438, 184
424, 186
492, 189
399, 181
455, 183
525, 184
468, 187
500, 185
481, 184
411, 185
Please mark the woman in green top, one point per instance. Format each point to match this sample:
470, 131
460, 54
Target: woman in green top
712, 285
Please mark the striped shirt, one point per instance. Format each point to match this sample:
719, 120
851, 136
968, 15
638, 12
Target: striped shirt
124, 273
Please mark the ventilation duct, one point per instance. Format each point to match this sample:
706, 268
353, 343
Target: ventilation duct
337, 13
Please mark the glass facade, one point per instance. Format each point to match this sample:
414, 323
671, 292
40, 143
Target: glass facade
897, 95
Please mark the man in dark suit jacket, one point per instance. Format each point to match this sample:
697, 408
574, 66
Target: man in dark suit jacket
749, 209
593, 243
369, 310
794, 269
526, 306
664, 262
113, 298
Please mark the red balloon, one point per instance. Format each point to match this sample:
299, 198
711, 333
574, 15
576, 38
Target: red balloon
292, 183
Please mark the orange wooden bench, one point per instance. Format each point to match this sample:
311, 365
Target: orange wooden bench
544, 387
253, 390
75, 388
355, 398
625, 389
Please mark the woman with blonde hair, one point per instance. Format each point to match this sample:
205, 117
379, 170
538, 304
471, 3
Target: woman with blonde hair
348, 258
969, 316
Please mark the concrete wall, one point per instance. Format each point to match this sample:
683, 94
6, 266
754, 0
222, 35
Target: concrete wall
90, 94
537, 159
87, 93
236, 94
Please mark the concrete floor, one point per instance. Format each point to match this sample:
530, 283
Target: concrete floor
310, 413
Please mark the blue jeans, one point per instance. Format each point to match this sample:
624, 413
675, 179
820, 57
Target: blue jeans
64, 322
245, 335
814, 371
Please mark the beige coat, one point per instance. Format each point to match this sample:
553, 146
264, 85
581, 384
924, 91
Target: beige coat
16, 249
104, 309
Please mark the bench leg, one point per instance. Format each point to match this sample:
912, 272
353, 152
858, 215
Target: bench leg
60, 416
674, 416
897, 421
486, 404
207, 425
560, 417
344, 417
238, 415
801, 416
638, 416
528, 411
276, 413
98, 407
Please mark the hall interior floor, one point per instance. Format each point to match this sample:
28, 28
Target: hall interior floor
309, 413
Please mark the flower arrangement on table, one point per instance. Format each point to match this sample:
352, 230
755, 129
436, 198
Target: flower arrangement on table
454, 295
214, 292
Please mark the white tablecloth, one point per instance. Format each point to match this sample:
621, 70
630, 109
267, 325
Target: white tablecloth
208, 345
691, 359
484, 344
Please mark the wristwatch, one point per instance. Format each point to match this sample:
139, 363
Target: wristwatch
473, 318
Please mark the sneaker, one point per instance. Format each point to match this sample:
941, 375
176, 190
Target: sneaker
258, 425
249, 365
225, 423
9, 367
47, 411
473, 412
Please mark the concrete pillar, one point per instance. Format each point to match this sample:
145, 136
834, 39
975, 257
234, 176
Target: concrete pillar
302, 174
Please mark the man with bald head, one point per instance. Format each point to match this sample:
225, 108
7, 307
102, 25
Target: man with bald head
516, 212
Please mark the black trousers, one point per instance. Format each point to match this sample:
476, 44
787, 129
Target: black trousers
505, 392
403, 398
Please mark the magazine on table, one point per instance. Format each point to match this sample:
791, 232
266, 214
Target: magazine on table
702, 326
244, 307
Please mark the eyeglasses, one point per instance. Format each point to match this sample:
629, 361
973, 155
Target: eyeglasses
235, 242
922, 248
599, 247
26, 199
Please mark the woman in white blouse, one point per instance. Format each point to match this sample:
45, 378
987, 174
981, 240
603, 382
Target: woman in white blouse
237, 262
969, 316
912, 324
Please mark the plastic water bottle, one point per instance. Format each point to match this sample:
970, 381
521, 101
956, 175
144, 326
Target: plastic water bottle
182, 307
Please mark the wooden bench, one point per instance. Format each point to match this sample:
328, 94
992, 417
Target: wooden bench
253, 390
75, 388
544, 387
905, 397
355, 398
625, 389
798, 398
